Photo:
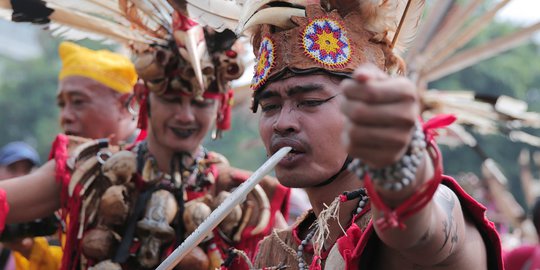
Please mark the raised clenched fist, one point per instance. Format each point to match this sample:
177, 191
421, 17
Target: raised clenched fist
381, 112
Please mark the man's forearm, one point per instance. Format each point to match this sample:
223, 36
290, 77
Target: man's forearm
433, 231
32, 196
418, 224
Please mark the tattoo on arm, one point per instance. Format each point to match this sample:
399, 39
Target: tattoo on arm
447, 201
423, 239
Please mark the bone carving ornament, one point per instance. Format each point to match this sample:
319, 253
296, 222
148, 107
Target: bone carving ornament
154, 229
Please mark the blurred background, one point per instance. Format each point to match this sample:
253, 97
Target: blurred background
29, 65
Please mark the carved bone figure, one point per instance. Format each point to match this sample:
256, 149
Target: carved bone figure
154, 228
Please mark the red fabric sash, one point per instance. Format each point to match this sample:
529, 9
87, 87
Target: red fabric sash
4, 209
70, 206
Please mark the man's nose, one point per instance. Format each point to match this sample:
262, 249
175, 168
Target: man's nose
67, 115
287, 120
184, 113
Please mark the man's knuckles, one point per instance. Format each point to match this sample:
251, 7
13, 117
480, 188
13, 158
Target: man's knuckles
367, 92
398, 115
406, 119
369, 71
355, 111
378, 146
392, 90
407, 88
380, 138
374, 158
352, 89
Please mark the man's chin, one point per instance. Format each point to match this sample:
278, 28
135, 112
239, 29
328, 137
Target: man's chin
292, 178
183, 145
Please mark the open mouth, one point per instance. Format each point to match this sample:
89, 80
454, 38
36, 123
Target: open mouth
295, 155
70, 133
291, 159
183, 132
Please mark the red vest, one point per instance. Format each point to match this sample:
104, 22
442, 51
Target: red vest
355, 245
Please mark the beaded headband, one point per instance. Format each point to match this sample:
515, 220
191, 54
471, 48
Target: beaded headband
334, 38
321, 40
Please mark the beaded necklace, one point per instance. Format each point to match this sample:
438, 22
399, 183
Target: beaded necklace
186, 171
361, 193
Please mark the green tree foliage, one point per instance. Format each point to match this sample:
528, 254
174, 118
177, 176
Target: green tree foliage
514, 73
28, 104
28, 98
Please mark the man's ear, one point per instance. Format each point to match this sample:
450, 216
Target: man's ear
128, 106
125, 101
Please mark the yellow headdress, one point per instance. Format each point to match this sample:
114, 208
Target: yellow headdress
111, 69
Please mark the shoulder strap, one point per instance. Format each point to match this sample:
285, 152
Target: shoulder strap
4, 257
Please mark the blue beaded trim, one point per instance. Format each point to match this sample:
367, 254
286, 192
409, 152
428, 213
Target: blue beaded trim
325, 41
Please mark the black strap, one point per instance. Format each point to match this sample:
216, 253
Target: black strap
177, 163
34, 11
331, 179
122, 253
4, 257
231, 256
351, 195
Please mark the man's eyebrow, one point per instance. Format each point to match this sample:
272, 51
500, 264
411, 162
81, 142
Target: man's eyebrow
69, 94
295, 90
302, 89
266, 94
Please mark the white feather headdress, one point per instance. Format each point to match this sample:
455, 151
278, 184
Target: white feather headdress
151, 28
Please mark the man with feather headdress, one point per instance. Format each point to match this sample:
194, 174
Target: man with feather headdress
379, 198
128, 207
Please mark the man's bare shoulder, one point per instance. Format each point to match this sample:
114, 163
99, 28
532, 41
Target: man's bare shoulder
472, 255
468, 249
